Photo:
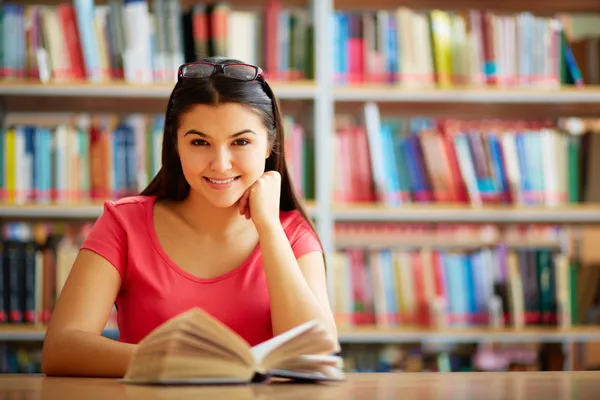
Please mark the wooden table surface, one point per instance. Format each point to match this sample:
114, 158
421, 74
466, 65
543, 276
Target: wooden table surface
401, 386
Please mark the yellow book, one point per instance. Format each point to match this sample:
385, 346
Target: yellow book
441, 36
515, 284
10, 166
400, 300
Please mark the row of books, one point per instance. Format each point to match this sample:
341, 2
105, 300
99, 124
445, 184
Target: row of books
444, 235
422, 159
20, 358
443, 48
145, 41
35, 261
88, 41
69, 158
456, 358
435, 287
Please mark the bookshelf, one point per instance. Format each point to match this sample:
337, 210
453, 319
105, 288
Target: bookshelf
375, 335
390, 93
368, 334
298, 90
325, 97
382, 242
573, 214
507, 5
35, 333
82, 211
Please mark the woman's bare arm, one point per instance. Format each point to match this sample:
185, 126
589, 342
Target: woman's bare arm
73, 345
297, 288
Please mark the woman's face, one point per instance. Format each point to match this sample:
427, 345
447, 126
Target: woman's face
222, 150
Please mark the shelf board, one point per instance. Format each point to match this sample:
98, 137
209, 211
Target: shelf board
77, 211
468, 335
394, 93
376, 240
288, 90
565, 214
51, 211
307, 90
35, 333
370, 334
505, 5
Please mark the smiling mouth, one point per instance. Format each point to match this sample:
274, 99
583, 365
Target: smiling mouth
221, 181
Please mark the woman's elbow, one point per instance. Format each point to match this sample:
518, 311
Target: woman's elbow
52, 361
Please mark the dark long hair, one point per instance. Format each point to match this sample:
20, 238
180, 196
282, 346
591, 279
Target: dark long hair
170, 183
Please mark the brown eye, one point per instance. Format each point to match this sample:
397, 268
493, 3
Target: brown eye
241, 142
199, 142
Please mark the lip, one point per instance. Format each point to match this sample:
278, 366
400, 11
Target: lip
220, 186
221, 179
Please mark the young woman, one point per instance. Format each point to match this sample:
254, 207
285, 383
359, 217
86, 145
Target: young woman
219, 228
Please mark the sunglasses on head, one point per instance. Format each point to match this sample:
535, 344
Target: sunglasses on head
242, 72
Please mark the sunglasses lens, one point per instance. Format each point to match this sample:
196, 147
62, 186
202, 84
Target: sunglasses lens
241, 72
197, 70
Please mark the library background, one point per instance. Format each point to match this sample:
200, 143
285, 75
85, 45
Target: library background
448, 151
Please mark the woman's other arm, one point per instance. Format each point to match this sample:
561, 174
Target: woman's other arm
73, 345
297, 287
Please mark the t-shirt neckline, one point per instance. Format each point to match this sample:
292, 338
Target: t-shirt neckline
163, 254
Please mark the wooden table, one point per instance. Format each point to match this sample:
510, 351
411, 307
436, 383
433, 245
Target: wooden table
405, 386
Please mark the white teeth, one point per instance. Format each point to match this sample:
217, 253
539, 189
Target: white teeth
221, 182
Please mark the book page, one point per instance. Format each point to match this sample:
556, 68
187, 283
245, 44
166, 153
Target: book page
260, 351
312, 361
203, 327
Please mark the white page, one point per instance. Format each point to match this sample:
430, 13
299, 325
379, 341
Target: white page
260, 351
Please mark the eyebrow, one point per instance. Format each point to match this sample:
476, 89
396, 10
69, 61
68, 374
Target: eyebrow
202, 134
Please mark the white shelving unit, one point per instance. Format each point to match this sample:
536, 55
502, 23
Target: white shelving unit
325, 95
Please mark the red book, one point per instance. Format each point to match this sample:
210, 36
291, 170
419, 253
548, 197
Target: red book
66, 14
356, 49
271, 55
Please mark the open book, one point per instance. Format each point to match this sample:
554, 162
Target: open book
196, 348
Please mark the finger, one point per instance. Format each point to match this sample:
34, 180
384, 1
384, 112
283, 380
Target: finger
244, 202
248, 200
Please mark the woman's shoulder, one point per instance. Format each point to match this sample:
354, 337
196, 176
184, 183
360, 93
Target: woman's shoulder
294, 222
130, 208
300, 232
291, 217
130, 203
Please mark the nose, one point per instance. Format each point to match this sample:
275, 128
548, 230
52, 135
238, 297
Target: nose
221, 160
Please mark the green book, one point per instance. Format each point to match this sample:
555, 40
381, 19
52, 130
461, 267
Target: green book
573, 289
574, 169
545, 284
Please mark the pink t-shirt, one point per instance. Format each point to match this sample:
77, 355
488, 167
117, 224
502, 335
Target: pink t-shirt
155, 289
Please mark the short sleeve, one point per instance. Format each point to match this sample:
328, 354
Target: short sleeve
108, 238
303, 238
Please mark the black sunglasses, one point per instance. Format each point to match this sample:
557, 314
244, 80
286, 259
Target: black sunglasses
242, 72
